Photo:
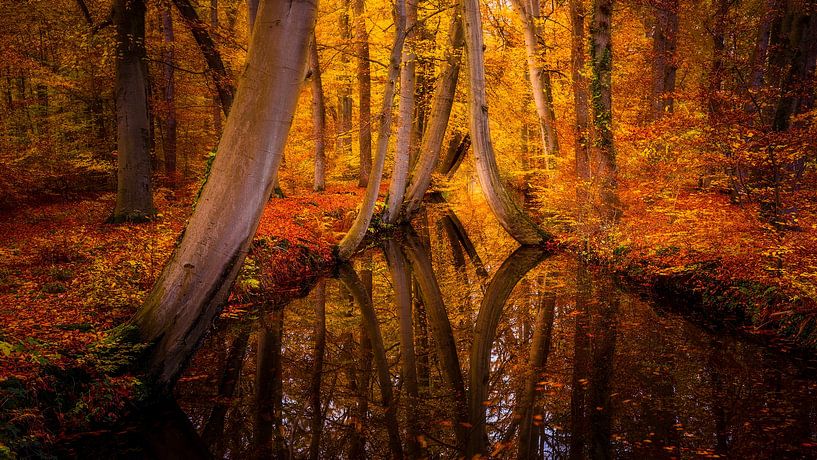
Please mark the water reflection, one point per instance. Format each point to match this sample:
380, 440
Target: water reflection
429, 346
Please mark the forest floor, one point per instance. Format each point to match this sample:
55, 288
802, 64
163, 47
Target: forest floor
66, 278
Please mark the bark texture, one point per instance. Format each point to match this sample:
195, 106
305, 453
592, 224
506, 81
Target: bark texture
318, 118
196, 280
364, 88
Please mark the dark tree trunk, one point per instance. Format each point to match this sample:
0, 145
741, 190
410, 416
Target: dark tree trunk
664, 66
216, 106
364, 80
580, 97
134, 196
318, 118
169, 119
717, 67
316, 423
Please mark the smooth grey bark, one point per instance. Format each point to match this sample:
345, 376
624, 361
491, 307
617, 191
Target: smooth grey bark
405, 120
601, 63
441, 105
169, 70
318, 118
316, 422
530, 11
197, 279
664, 65
499, 289
372, 327
364, 79
355, 234
507, 212
134, 194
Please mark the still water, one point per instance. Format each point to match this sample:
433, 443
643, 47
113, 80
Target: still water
448, 342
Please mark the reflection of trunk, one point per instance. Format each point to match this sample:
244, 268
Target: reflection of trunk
438, 120
421, 326
499, 289
456, 231
508, 213
405, 120
358, 291
579, 404
197, 279
604, 347
364, 93
134, 197
441, 331
355, 235
357, 413
213, 431
457, 149
402, 291
269, 390
169, 118
316, 424
539, 350
318, 118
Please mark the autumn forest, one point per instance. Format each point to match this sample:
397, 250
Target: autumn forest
289, 229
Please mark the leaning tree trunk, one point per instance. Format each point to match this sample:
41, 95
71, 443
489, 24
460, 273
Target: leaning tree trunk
601, 61
197, 279
510, 216
134, 197
531, 13
438, 120
355, 235
169, 112
318, 118
405, 120
364, 79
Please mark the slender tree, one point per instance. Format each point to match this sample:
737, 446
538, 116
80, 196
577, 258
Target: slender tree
664, 65
214, 24
196, 280
508, 213
364, 88
318, 118
169, 70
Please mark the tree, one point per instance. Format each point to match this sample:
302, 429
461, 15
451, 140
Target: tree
364, 89
580, 95
664, 65
169, 70
216, 108
134, 195
196, 280
318, 118
355, 234
510, 216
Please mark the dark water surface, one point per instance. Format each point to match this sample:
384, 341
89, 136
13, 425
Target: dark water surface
446, 342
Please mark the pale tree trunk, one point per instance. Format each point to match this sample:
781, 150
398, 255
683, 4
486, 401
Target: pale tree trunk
364, 80
519, 263
356, 234
169, 119
508, 213
601, 62
134, 195
531, 15
216, 106
318, 118
664, 66
434, 133
405, 119
196, 280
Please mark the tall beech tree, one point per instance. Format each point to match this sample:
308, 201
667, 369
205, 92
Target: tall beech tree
364, 89
196, 280
134, 194
318, 117
664, 65
508, 213
355, 234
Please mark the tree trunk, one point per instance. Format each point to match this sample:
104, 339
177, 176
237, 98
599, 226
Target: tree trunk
530, 12
601, 61
364, 80
169, 131
797, 88
717, 67
508, 213
441, 106
134, 196
580, 94
355, 235
215, 65
496, 294
318, 118
197, 279
664, 66
269, 392
216, 106
343, 83
252, 12
405, 120
316, 423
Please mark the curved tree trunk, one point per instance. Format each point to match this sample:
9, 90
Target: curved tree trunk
496, 294
508, 213
197, 279
355, 235
134, 195
318, 118
405, 120
438, 120
364, 80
